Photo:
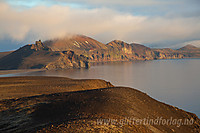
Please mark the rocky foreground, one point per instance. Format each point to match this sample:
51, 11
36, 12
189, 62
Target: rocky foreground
53, 104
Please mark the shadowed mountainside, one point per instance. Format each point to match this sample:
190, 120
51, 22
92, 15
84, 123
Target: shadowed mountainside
83, 106
38, 55
78, 51
2, 54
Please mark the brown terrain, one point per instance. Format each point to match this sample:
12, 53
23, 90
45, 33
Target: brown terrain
53, 104
79, 51
36, 56
2, 54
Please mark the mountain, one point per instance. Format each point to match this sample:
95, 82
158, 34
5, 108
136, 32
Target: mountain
189, 47
168, 53
118, 50
40, 56
76, 43
143, 52
79, 51
56, 104
130, 51
188, 51
140, 52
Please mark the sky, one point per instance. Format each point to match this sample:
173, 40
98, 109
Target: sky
154, 23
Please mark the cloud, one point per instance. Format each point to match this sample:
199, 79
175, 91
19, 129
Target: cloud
118, 2
92, 2
132, 3
161, 29
45, 22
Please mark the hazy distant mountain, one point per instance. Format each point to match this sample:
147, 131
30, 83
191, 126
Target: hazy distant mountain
189, 47
195, 43
77, 51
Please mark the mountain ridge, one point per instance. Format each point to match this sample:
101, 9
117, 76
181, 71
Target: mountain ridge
78, 50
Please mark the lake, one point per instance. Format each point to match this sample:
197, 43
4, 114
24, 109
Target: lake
175, 82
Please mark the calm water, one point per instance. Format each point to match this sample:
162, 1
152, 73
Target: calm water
176, 82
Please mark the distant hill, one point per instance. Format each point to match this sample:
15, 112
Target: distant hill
78, 50
189, 47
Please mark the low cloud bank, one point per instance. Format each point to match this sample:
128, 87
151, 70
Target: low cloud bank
42, 22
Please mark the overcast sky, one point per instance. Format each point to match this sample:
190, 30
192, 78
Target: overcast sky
158, 23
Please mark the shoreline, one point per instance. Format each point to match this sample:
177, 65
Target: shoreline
93, 63
16, 71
